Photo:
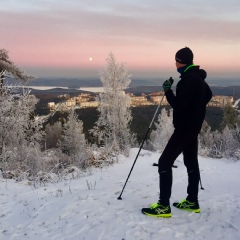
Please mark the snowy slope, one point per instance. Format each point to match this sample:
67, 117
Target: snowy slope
69, 210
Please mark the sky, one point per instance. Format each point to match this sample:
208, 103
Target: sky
72, 38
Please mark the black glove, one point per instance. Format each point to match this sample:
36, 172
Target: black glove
168, 84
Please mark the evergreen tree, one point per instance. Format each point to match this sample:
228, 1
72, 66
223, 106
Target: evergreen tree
230, 117
73, 141
53, 135
8, 67
113, 125
20, 130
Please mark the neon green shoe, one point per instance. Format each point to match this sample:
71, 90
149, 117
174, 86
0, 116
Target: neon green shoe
157, 210
189, 206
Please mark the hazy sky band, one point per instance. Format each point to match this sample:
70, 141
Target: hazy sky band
55, 35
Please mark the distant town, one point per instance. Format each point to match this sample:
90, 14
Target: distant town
87, 100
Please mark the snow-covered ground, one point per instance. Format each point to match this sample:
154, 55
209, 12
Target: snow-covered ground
69, 210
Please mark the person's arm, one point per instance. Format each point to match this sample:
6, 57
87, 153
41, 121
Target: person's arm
185, 95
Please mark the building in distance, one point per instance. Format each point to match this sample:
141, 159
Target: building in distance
86, 100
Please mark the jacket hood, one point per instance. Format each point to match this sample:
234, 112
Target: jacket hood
196, 69
202, 73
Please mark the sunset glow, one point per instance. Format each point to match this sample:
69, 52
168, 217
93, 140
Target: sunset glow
44, 37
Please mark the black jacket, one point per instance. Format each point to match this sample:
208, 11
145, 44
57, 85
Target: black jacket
192, 96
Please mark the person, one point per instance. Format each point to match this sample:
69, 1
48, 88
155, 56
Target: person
189, 108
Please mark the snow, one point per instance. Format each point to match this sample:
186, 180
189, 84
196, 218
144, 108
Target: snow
77, 210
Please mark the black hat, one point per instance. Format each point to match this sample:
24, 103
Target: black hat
184, 56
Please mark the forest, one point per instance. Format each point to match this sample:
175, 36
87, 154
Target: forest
142, 116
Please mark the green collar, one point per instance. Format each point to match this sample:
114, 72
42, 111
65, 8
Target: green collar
192, 65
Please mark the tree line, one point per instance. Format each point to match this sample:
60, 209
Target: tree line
36, 146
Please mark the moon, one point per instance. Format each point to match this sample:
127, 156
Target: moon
90, 59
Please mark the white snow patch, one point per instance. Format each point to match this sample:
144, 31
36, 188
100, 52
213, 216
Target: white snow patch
77, 210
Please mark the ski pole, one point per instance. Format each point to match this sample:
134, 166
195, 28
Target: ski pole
200, 180
120, 196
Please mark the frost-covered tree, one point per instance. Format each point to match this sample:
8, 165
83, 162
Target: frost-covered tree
113, 126
219, 144
7, 67
205, 140
73, 141
226, 143
20, 130
164, 130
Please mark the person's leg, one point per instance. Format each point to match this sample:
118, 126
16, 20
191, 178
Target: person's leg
179, 140
190, 156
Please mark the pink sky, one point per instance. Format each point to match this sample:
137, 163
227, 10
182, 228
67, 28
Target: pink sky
57, 38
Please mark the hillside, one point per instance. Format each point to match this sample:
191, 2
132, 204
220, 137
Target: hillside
87, 208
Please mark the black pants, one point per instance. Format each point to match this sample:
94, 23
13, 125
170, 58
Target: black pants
182, 141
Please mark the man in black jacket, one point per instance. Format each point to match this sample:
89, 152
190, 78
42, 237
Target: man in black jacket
189, 108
